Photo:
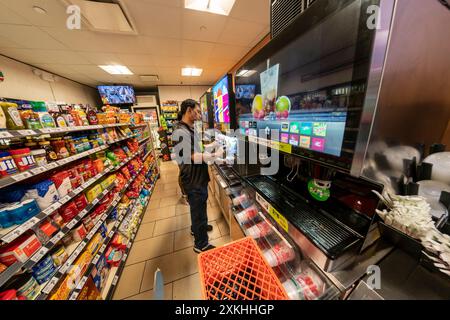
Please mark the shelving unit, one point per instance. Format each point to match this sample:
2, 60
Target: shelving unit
75, 249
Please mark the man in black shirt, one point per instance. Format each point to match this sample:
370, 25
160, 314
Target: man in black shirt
192, 159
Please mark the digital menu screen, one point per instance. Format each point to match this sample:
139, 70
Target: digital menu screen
221, 96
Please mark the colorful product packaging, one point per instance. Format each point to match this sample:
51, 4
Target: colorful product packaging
19, 250
69, 211
63, 183
45, 193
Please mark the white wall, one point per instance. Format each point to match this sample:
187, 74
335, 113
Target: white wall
21, 83
181, 93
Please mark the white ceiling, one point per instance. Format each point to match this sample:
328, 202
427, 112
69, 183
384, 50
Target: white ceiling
169, 38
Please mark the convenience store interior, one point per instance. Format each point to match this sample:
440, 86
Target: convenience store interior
324, 192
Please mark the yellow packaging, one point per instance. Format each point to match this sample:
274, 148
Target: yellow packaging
95, 244
102, 118
124, 118
93, 192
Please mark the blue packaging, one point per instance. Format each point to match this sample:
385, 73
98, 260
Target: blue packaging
5, 221
24, 211
103, 230
16, 213
13, 194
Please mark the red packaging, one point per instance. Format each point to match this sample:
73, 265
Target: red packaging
88, 223
75, 178
69, 211
19, 250
63, 183
56, 217
81, 202
79, 233
126, 173
48, 229
99, 166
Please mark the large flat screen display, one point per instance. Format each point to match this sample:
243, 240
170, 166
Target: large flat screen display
310, 85
221, 97
117, 95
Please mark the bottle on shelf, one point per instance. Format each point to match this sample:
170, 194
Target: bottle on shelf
279, 254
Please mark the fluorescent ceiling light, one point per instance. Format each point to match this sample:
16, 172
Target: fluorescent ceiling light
246, 73
116, 69
222, 7
191, 72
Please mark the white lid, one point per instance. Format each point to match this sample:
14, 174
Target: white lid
291, 290
271, 258
37, 152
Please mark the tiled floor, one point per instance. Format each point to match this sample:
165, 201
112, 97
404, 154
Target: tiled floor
164, 242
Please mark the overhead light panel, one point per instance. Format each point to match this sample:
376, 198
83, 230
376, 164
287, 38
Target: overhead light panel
191, 72
222, 7
246, 73
117, 70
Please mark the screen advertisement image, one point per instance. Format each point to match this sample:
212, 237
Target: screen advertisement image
117, 95
221, 96
204, 107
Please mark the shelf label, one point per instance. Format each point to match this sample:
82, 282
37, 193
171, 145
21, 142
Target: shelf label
116, 278
82, 283
125, 256
73, 296
5, 134
38, 256
51, 209
22, 176
71, 224
38, 170
49, 287
30, 223
65, 199
26, 132
52, 165
95, 201
58, 237
103, 247
64, 161
279, 218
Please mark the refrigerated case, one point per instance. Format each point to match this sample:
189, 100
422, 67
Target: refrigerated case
151, 115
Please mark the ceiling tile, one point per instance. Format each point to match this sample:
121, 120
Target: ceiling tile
101, 58
169, 3
202, 26
154, 19
143, 70
161, 46
136, 59
7, 16
252, 10
167, 61
56, 15
7, 43
196, 49
59, 69
33, 56
228, 52
30, 37
238, 32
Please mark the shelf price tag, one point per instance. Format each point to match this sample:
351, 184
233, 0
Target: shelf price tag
26, 132
5, 134
51, 209
65, 199
38, 256
73, 296
95, 201
38, 170
71, 224
30, 223
58, 237
52, 165
116, 278
49, 287
22, 176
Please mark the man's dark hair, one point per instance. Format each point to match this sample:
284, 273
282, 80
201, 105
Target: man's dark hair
188, 104
179, 116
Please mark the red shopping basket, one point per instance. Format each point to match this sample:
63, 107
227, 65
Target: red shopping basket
238, 271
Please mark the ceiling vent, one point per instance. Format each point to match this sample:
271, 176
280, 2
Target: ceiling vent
284, 12
150, 78
109, 16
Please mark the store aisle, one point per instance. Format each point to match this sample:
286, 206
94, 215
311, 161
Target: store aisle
164, 242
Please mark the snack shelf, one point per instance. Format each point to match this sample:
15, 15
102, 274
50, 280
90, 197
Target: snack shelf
14, 232
143, 140
116, 272
111, 232
53, 282
61, 271
10, 180
9, 134
16, 267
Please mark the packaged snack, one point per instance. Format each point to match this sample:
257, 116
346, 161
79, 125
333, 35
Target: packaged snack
76, 179
50, 153
81, 202
48, 229
20, 212
89, 292
82, 115
40, 156
113, 256
70, 121
23, 159
59, 145
99, 165
13, 120
10, 295
30, 118
7, 164
76, 118
100, 273
20, 250
93, 192
44, 269
60, 256
102, 118
26, 285
79, 233
68, 211
44, 193
45, 118
62, 183
88, 223
92, 116
68, 240
70, 145
57, 219
95, 244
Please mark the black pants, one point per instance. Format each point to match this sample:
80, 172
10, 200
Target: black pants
198, 198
